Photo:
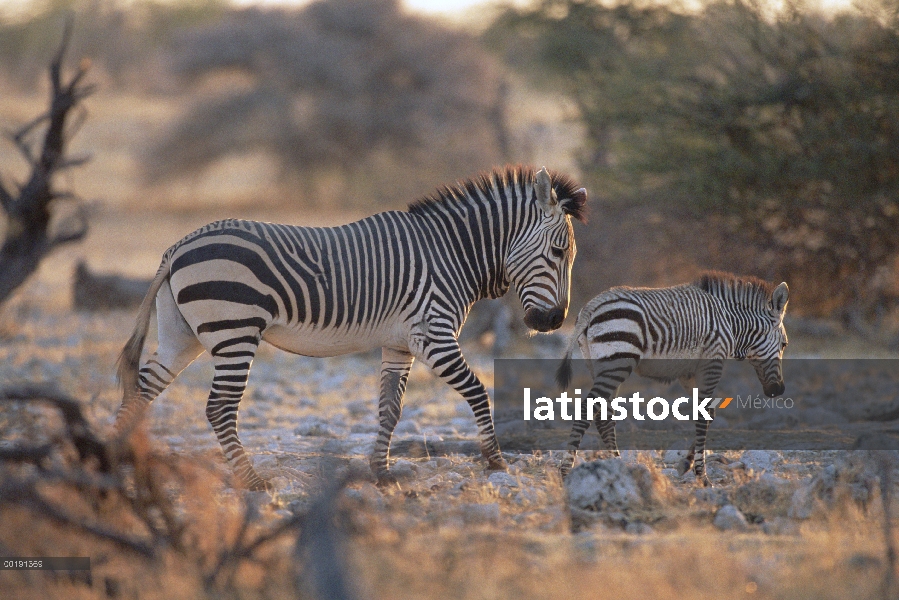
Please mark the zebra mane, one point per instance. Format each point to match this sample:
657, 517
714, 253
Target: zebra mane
572, 201
745, 290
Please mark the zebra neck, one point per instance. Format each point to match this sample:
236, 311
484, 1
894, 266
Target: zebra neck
743, 322
469, 245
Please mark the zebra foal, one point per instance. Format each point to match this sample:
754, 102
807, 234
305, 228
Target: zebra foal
403, 281
695, 327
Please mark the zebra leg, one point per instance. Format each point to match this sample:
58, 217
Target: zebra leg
232, 360
395, 365
445, 359
708, 377
686, 463
605, 428
178, 347
702, 429
607, 433
610, 375
578, 428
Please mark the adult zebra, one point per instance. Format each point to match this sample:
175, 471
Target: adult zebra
694, 327
400, 280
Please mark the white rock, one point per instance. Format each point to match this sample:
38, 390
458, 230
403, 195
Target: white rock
407, 426
673, 457
603, 484
403, 469
760, 460
453, 477
500, 478
480, 513
730, 518
314, 427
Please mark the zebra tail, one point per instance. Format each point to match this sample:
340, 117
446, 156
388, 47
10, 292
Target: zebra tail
563, 373
129, 360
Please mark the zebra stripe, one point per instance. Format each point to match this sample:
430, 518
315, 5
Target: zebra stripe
400, 280
695, 327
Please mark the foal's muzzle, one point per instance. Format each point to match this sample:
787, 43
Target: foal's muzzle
544, 320
775, 388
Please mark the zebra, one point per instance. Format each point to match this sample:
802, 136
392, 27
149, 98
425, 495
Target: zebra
695, 327
403, 281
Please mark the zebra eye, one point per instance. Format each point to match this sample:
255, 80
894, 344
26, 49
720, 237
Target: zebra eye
557, 252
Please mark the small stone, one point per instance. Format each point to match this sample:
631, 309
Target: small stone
458, 488
453, 477
407, 426
502, 479
403, 469
714, 496
480, 513
730, 518
434, 482
526, 497
638, 528
760, 460
673, 456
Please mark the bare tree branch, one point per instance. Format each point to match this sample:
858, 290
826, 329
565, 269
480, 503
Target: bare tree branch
32, 454
29, 211
18, 492
77, 428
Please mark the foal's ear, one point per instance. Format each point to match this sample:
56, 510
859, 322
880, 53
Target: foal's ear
544, 191
780, 297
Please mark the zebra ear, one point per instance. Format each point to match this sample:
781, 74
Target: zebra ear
544, 190
780, 297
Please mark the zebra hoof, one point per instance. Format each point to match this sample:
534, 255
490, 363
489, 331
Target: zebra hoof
683, 466
386, 479
704, 480
497, 464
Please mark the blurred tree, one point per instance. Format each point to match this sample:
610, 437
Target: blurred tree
331, 86
124, 39
782, 129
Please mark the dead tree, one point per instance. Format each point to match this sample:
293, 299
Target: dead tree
31, 230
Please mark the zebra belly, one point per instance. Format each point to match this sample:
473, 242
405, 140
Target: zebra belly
316, 341
668, 369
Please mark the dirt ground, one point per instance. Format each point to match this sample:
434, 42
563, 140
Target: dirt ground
811, 521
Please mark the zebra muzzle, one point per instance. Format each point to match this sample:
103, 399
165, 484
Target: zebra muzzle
775, 388
544, 320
